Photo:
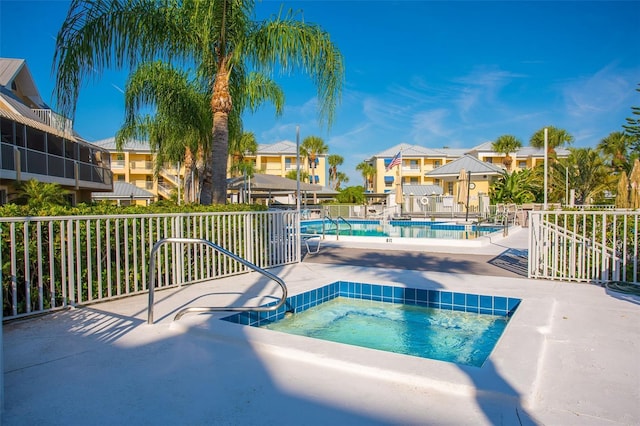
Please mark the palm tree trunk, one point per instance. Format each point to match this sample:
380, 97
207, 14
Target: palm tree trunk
214, 182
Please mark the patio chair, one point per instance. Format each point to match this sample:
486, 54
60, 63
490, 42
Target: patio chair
306, 238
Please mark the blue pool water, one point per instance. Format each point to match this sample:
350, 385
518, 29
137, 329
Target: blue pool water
448, 326
398, 228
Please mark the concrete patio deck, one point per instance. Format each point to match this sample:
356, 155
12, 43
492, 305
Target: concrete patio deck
568, 357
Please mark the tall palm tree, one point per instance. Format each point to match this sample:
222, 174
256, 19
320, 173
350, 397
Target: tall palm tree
179, 129
555, 138
217, 39
616, 147
334, 160
312, 147
506, 144
368, 172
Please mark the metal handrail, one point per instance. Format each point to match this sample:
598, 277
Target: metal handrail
152, 279
347, 222
335, 222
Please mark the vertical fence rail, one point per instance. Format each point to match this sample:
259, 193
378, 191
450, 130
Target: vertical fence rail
584, 246
50, 263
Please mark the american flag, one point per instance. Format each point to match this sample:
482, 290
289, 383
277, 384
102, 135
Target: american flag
395, 161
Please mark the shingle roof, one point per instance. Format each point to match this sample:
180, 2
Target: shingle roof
467, 162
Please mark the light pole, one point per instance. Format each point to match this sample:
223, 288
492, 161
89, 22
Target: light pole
546, 170
566, 185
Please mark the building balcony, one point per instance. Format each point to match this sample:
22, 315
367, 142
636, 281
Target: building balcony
20, 164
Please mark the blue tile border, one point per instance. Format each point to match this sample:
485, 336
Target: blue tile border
438, 299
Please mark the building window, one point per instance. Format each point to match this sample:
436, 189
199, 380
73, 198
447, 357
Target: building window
450, 188
522, 164
436, 164
119, 178
488, 160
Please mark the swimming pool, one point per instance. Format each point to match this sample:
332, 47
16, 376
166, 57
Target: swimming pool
448, 326
398, 229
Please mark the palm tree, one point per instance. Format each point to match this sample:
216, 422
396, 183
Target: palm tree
592, 177
507, 144
334, 160
36, 194
217, 39
616, 147
239, 148
341, 178
312, 147
293, 174
179, 131
368, 172
513, 187
555, 138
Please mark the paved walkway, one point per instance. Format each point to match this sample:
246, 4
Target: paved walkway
569, 356
504, 256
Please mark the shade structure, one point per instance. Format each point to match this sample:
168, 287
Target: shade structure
622, 195
634, 183
463, 187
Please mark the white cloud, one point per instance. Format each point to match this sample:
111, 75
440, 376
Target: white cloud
606, 90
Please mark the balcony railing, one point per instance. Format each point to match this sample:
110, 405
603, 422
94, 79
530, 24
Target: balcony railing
19, 163
55, 120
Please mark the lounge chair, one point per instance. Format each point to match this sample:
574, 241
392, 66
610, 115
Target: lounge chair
305, 239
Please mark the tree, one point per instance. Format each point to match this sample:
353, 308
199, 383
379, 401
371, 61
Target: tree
506, 144
340, 179
368, 172
217, 39
632, 128
592, 177
293, 174
616, 147
352, 195
555, 138
180, 128
36, 194
334, 160
312, 147
513, 187
239, 148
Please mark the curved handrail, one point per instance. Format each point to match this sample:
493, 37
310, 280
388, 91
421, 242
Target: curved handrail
347, 222
152, 279
335, 222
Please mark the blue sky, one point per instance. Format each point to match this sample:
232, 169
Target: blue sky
434, 74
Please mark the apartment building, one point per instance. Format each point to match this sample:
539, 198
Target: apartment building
280, 158
135, 165
37, 143
423, 166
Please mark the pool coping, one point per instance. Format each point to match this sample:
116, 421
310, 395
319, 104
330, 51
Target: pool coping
424, 373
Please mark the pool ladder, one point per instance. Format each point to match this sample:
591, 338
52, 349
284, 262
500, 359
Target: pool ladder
182, 312
336, 222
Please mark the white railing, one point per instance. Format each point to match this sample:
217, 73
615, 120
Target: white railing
584, 246
48, 263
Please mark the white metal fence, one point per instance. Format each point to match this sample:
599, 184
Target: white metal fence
586, 246
49, 263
